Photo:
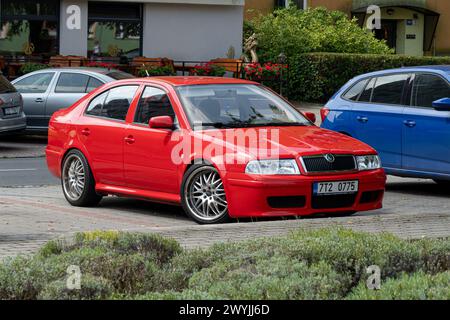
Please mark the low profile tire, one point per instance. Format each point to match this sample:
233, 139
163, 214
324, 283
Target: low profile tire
444, 183
78, 182
203, 195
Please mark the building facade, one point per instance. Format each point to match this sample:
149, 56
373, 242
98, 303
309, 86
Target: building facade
197, 30
412, 27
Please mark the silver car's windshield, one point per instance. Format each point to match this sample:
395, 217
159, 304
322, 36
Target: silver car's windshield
6, 86
236, 106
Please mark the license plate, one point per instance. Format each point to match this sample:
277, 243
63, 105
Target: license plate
335, 187
11, 111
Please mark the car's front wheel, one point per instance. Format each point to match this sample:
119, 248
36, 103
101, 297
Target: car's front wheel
77, 181
203, 195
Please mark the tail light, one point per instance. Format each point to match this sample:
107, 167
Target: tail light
1, 102
324, 113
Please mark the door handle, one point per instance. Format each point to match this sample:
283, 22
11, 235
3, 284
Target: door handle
409, 123
39, 100
86, 132
362, 119
130, 140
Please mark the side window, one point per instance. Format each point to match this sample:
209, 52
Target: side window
366, 95
93, 84
96, 105
154, 102
428, 88
72, 83
354, 92
37, 83
389, 89
118, 102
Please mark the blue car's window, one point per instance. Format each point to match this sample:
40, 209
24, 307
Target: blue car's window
366, 95
389, 89
428, 88
354, 92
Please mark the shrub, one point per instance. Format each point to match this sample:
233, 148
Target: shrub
156, 71
31, 67
91, 288
419, 286
316, 77
293, 31
208, 70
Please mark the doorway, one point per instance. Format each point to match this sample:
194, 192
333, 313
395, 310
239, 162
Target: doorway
388, 32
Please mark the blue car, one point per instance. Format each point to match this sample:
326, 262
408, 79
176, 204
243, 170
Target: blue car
404, 114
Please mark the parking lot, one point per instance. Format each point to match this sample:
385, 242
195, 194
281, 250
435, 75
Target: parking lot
33, 209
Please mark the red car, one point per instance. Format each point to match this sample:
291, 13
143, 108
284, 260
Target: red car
222, 148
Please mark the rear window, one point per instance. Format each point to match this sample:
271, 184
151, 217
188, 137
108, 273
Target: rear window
6, 86
118, 75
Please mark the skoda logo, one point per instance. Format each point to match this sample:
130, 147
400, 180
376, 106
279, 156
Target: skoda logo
330, 158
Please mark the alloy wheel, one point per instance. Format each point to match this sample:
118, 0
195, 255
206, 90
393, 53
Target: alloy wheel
205, 194
74, 177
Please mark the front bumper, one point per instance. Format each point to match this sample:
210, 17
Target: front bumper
257, 196
8, 125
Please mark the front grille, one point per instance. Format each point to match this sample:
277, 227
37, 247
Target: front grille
287, 202
333, 201
317, 164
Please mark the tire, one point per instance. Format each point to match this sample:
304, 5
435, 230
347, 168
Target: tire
444, 183
77, 181
203, 195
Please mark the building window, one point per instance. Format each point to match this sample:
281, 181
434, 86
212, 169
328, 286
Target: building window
29, 27
115, 30
301, 4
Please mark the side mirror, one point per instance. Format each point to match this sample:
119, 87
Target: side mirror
164, 122
442, 104
310, 116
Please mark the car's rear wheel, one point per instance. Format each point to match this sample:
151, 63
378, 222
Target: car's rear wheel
444, 183
203, 195
77, 181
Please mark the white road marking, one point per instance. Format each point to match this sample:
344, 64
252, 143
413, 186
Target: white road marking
14, 170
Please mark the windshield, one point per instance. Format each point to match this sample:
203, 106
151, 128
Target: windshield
236, 106
6, 86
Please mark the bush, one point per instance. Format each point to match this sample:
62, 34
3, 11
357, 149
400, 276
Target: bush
419, 286
31, 67
323, 264
293, 31
156, 71
315, 77
92, 288
208, 70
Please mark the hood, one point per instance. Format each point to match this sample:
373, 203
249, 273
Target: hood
287, 141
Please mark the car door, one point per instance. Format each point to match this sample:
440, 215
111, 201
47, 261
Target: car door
35, 89
377, 117
147, 154
102, 130
69, 88
426, 131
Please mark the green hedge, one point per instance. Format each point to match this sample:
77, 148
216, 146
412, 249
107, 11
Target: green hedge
324, 264
315, 77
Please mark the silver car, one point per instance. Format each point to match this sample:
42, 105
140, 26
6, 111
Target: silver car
49, 90
12, 118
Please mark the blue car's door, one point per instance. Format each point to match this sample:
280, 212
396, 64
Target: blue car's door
377, 117
426, 131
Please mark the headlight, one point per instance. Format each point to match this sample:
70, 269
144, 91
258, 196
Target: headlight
371, 162
272, 167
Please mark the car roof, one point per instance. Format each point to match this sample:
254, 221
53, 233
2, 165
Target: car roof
103, 71
436, 68
178, 81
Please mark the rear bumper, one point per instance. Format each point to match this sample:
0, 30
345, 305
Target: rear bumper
265, 196
9, 125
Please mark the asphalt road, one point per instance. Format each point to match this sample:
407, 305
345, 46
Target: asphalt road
25, 172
